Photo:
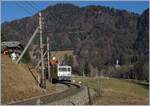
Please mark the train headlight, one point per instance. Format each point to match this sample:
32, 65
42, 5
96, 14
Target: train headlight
53, 58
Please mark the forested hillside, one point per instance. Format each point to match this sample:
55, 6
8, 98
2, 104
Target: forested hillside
99, 35
142, 41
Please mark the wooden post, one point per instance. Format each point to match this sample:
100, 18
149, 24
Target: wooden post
99, 84
48, 60
40, 60
41, 49
89, 96
83, 74
83, 67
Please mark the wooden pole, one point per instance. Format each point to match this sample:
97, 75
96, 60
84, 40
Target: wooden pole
41, 49
48, 59
89, 96
40, 60
100, 84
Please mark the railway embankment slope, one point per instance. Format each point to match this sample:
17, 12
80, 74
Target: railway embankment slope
18, 83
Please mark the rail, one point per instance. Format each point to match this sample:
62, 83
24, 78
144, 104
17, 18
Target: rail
49, 98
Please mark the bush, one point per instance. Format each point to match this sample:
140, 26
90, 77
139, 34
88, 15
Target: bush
123, 72
141, 69
26, 58
146, 71
68, 59
120, 72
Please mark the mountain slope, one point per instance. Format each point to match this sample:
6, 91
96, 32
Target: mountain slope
62, 21
142, 41
98, 35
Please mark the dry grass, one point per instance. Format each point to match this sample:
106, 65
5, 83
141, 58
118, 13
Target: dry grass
61, 54
111, 97
18, 83
117, 91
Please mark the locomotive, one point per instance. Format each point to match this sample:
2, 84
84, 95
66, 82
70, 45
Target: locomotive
60, 72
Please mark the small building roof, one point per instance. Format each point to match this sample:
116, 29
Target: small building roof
9, 44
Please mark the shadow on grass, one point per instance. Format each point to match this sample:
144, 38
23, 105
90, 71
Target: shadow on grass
143, 84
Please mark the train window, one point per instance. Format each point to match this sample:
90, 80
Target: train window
69, 69
62, 69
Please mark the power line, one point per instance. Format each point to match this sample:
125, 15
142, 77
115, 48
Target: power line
26, 12
37, 8
33, 6
29, 6
29, 12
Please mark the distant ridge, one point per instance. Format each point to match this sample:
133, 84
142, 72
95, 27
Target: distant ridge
103, 32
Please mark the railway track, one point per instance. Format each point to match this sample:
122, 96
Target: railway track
49, 98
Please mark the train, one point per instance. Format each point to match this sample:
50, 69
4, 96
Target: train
64, 72
59, 72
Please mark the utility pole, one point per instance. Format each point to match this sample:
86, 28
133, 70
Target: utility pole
40, 60
41, 49
48, 59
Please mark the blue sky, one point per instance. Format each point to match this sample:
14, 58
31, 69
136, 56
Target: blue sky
12, 10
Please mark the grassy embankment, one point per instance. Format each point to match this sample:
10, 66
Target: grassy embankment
117, 91
17, 82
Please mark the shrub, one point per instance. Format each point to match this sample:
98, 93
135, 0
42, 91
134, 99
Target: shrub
26, 58
141, 69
